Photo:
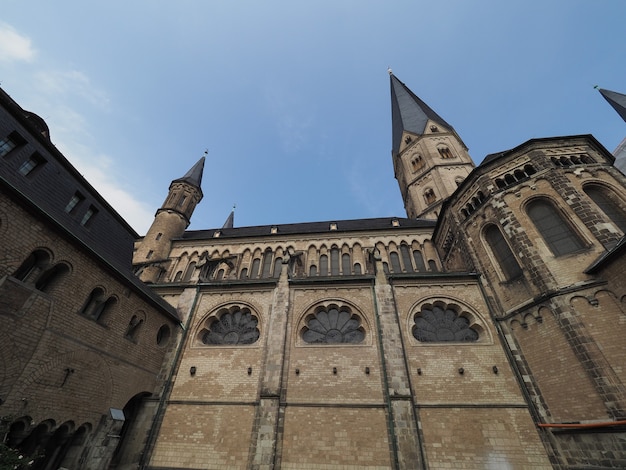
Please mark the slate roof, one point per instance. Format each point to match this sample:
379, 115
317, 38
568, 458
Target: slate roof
46, 193
342, 226
194, 175
409, 113
617, 100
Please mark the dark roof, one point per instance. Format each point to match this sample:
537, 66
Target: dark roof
230, 221
607, 257
194, 175
409, 113
46, 193
382, 223
617, 100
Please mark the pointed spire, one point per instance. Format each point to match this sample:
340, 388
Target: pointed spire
230, 221
617, 100
194, 175
409, 113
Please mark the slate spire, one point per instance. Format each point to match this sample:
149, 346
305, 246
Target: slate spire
617, 100
230, 221
409, 113
194, 175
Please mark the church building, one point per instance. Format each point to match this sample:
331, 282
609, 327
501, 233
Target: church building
483, 330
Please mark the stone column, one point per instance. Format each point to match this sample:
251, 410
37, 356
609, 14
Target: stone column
266, 421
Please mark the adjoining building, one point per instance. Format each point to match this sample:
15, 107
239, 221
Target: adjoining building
82, 340
484, 330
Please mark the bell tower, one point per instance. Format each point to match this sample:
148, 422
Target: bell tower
172, 218
429, 159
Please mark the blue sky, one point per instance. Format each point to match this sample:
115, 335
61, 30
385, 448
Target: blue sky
292, 98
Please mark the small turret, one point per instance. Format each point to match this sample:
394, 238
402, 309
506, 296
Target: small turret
172, 218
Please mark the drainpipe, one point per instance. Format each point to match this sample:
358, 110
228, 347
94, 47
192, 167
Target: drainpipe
167, 390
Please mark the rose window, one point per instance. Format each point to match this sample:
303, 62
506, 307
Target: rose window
441, 324
333, 325
231, 326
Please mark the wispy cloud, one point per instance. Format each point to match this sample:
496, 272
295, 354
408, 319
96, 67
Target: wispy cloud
64, 97
97, 168
71, 82
14, 46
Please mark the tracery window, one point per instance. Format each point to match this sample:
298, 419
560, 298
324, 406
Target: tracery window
504, 256
231, 326
558, 235
442, 323
333, 325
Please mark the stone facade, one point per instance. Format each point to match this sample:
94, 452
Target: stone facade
483, 331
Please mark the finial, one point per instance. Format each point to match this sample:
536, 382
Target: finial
206, 152
389, 71
596, 87
234, 206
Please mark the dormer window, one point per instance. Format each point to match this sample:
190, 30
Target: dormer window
333, 226
274, 230
76, 199
395, 223
408, 140
434, 129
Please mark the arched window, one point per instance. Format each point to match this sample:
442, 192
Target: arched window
432, 265
406, 258
189, 272
230, 326
395, 262
278, 264
178, 276
334, 262
503, 254
323, 265
51, 277
419, 261
346, 264
313, 270
243, 274
333, 325
608, 203
96, 297
267, 263
134, 326
33, 265
555, 231
357, 268
429, 196
254, 273
442, 323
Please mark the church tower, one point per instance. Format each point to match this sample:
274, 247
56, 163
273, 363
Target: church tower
171, 219
429, 159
